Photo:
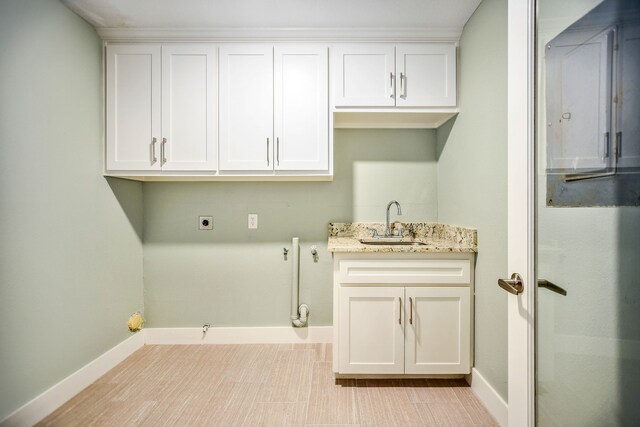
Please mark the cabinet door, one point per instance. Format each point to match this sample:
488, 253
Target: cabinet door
133, 107
371, 337
578, 75
426, 75
438, 333
301, 114
189, 108
246, 108
629, 139
364, 75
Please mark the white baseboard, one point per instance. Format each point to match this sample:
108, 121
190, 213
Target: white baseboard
239, 335
489, 397
53, 398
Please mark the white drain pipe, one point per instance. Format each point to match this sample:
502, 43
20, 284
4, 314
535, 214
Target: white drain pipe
299, 314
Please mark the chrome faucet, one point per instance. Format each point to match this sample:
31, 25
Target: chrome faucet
387, 230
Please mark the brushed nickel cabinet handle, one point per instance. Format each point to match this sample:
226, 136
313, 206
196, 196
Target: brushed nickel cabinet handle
403, 86
153, 150
278, 150
391, 84
267, 151
163, 150
410, 311
400, 312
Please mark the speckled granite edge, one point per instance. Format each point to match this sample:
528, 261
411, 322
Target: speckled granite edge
343, 237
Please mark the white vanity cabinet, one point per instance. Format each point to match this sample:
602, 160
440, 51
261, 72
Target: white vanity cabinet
161, 108
387, 75
274, 108
402, 313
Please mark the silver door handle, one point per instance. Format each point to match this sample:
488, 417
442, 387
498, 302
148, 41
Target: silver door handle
278, 150
163, 151
391, 84
153, 150
410, 311
267, 151
400, 312
514, 286
543, 283
403, 86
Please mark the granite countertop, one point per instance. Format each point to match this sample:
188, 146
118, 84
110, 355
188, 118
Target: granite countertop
344, 237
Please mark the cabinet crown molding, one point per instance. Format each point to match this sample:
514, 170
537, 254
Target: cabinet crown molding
451, 34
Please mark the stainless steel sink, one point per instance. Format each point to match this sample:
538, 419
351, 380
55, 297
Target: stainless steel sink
391, 241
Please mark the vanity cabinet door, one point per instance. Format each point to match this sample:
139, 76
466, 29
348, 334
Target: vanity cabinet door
246, 108
426, 75
438, 330
133, 107
371, 337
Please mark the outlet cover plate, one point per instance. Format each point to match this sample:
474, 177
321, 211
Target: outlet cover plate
205, 223
252, 221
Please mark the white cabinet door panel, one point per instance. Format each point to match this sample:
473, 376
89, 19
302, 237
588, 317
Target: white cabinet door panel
629, 154
578, 105
246, 108
438, 331
405, 271
371, 336
133, 107
189, 107
364, 75
426, 75
301, 114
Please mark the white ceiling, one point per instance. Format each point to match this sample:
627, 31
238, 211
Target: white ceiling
379, 14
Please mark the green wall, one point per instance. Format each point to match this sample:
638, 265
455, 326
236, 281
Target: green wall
232, 276
70, 242
472, 176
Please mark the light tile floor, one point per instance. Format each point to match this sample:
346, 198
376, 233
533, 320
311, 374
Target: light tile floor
260, 385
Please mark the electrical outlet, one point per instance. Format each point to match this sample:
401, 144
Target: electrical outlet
205, 223
252, 220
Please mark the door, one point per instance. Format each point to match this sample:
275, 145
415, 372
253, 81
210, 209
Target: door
133, 107
364, 75
426, 75
438, 329
246, 107
301, 110
520, 208
587, 255
371, 336
189, 108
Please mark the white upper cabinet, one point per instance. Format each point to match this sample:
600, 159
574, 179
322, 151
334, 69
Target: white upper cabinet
301, 116
404, 75
628, 138
274, 108
364, 75
426, 75
578, 105
246, 107
133, 107
189, 108
161, 108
